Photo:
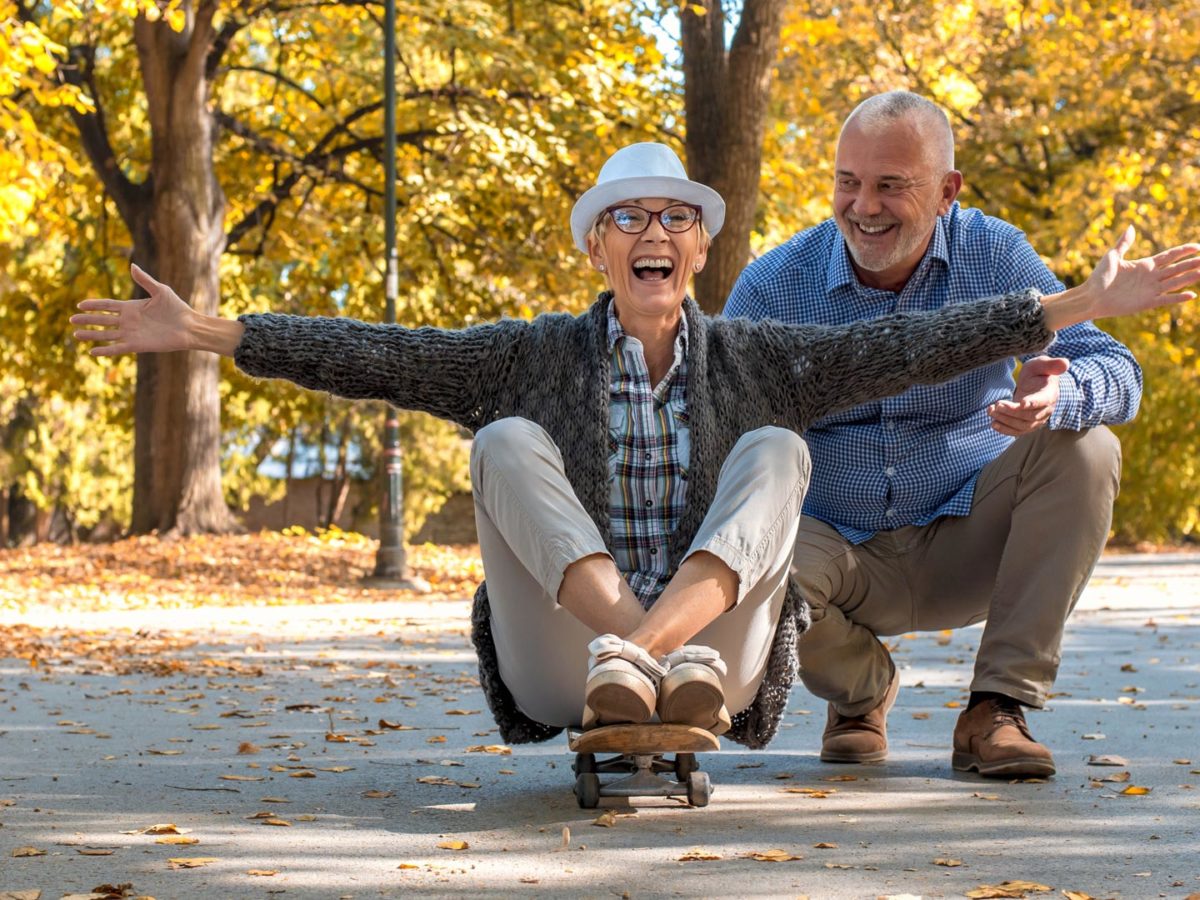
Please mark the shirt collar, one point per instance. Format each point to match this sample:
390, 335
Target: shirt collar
841, 272
616, 332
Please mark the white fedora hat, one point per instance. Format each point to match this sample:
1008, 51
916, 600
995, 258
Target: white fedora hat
644, 170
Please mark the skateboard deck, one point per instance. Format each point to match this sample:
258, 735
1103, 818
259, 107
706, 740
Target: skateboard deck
641, 760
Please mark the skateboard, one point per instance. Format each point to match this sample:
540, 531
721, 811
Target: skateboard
641, 757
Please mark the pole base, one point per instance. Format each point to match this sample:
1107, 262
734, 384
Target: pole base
412, 583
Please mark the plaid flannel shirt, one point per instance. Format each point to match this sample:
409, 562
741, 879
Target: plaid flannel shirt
649, 450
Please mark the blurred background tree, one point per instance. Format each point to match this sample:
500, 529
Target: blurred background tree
1071, 120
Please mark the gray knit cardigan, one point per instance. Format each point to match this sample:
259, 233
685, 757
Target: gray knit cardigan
554, 370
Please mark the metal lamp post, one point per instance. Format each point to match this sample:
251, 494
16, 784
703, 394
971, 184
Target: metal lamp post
391, 563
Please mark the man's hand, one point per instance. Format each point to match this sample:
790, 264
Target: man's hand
1034, 399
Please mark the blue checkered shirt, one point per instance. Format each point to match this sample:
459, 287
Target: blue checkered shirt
911, 459
648, 439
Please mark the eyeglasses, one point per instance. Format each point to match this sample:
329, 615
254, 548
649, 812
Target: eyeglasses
634, 219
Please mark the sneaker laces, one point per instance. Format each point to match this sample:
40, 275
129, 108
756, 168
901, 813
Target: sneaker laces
609, 646
697, 653
1007, 711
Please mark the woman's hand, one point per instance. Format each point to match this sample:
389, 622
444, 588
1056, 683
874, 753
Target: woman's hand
155, 324
1122, 287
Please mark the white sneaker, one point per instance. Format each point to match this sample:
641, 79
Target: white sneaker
691, 692
622, 683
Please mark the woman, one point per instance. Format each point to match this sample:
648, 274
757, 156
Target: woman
637, 469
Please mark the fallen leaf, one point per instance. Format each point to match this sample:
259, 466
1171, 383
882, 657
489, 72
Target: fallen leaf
154, 752
462, 712
436, 739
980, 796
245, 748
274, 800
1107, 760
164, 828
1136, 790
262, 873
1118, 777
771, 856
242, 777
303, 773
379, 795
811, 792
1094, 737
1076, 895
453, 845
436, 779
306, 818
838, 866
1182, 762
698, 855
190, 862
336, 769
21, 895
94, 851
28, 851
825, 845
176, 839
385, 725
920, 715
566, 837
840, 778
606, 819
279, 822
948, 863
408, 866
952, 704
500, 749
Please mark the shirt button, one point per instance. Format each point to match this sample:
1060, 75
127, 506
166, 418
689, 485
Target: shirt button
891, 514
649, 456
649, 503
654, 551
891, 426
889, 471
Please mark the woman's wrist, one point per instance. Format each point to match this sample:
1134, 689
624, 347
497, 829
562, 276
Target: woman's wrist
1069, 307
215, 334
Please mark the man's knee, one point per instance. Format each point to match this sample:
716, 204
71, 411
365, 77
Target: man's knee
1092, 456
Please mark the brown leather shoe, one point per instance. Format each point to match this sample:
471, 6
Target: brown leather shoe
859, 739
992, 738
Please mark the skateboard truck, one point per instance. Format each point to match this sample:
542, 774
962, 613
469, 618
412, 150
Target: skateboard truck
641, 758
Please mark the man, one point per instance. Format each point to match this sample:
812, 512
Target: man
978, 498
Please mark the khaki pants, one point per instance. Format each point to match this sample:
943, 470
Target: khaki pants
1020, 560
532, 526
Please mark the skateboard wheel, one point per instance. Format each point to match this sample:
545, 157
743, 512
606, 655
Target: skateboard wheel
585, 762
685, 765
699, 788
587, 790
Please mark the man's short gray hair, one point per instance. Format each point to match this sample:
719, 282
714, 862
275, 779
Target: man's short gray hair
883, 109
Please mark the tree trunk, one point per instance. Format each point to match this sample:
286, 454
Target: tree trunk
179, 237
725, 99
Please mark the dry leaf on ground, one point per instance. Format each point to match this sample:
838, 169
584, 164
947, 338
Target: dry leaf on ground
771, 856
606, 819
696, 854
27, 851
190, 862
453, 845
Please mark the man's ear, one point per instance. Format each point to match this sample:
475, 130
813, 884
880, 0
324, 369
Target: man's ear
951, 185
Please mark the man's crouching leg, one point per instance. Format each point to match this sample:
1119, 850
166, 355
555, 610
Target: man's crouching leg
1048, 500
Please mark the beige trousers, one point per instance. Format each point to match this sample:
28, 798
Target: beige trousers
532, 526
1020, 560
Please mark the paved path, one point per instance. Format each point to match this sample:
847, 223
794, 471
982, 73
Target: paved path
123, 727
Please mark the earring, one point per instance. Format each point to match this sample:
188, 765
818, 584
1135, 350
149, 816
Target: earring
602, 267
696, 266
